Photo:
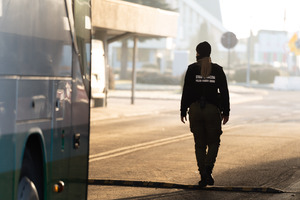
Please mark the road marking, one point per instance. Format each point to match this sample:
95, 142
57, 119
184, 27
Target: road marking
129, 149
137, 147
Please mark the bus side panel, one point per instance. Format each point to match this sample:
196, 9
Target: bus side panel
62, 142
7, 140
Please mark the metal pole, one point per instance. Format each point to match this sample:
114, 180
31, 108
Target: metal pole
228, 64
249, 57
134, 58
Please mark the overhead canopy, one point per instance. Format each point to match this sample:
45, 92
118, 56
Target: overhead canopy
120, 18
113, 20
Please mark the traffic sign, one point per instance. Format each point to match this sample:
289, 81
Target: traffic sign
294, 44
229, 40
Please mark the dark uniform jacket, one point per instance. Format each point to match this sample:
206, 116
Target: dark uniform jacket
212, 89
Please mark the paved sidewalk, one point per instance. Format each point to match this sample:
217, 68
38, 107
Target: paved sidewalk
120, 107
156, 99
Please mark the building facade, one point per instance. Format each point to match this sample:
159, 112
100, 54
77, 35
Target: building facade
271, 47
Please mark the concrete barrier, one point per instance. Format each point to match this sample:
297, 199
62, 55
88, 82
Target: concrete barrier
287, 83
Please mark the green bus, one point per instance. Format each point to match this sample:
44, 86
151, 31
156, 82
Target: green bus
45, 53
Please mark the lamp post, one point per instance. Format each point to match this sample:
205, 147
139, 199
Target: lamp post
249, 58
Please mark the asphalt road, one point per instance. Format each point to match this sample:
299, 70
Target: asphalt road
260, 147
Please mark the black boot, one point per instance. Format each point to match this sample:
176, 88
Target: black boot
203, 182
209, 178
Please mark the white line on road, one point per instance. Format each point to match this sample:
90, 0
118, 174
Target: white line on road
137, 147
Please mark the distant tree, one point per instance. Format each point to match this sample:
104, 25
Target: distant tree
203, 34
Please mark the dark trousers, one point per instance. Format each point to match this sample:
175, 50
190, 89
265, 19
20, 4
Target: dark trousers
205, 124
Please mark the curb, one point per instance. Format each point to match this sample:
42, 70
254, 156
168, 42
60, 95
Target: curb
150, 184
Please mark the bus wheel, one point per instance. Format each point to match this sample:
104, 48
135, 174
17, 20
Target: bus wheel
31, 177
27, 190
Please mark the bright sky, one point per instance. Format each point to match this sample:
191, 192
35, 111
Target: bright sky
239, 16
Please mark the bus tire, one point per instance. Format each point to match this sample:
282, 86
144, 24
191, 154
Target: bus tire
27, 190
31, 177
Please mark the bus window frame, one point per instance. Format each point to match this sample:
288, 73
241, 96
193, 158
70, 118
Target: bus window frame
85, 66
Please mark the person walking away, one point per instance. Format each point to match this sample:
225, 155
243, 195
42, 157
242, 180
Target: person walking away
205, 97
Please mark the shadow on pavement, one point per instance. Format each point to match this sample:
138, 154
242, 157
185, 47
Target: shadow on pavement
281, 174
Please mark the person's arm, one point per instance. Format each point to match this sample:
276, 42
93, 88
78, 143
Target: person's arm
225, 119
185, 98
225, 104
183, 119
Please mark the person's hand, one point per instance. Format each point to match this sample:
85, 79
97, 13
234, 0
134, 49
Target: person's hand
183, 119
225, 119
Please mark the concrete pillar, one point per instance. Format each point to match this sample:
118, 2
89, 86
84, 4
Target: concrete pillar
134, 58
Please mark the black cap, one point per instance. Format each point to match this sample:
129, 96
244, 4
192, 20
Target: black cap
203, 49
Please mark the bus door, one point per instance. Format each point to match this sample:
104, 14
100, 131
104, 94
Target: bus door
80, 104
